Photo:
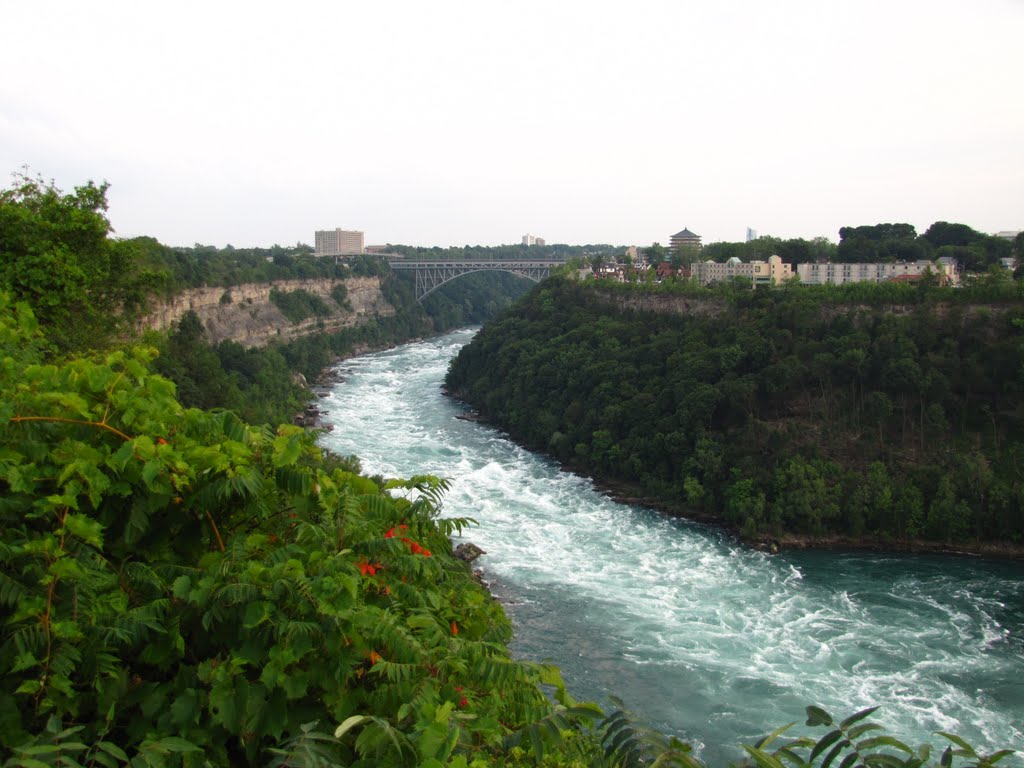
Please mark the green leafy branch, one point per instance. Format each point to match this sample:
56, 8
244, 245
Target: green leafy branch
850, 740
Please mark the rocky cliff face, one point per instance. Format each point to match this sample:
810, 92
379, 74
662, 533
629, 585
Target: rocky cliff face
711, 306
244, 313
660, 303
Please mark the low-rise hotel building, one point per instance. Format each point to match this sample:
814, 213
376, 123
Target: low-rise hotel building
838, 274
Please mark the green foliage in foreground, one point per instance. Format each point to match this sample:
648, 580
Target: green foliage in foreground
175, 578
856, 742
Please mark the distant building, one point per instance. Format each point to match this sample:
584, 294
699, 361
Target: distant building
531, 240
771, 272
683, 239
751, 234
664, 271
705, 272
1008, 234
338, 242
774, 271
837, 274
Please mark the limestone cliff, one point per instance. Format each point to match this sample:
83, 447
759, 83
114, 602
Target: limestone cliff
244, 313
663, 303
717, 306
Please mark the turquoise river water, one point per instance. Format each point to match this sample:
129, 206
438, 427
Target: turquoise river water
700, 636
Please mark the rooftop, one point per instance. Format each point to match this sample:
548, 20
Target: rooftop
686, 233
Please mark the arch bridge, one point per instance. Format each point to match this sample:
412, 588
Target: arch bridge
431, 275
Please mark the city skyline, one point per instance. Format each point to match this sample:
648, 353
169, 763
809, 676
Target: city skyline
457, 123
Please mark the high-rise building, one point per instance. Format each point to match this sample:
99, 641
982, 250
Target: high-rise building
531, 240
751, 234
338, 242
684, 239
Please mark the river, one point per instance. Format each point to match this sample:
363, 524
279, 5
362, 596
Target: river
700, 636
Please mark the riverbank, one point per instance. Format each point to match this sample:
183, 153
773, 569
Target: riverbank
625, 494
329, 376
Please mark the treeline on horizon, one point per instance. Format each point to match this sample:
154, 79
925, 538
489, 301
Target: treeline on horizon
172, 269
200, 265
974, 251
793, 410
881, 243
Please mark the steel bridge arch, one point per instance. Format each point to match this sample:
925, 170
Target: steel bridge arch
431, 275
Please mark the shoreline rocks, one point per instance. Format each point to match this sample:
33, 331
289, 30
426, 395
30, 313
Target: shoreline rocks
468, 552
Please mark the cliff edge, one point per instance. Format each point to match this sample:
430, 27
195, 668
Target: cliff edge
245, 313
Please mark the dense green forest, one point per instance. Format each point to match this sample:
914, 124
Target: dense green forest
890, 412
181, 588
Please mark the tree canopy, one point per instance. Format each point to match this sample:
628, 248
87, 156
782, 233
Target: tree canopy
56, 255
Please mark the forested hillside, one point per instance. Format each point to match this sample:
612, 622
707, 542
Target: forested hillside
819, 412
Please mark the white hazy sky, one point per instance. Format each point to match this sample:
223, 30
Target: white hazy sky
475, 122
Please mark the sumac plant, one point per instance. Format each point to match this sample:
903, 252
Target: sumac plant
171, 573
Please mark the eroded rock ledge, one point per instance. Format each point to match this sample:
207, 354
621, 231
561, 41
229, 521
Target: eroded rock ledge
244, 313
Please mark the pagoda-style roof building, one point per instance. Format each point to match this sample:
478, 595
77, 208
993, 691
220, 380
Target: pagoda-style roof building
683, 239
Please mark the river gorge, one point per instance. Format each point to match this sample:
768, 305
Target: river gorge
699, 635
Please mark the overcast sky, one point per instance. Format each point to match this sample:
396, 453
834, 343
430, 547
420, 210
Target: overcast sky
475, 122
